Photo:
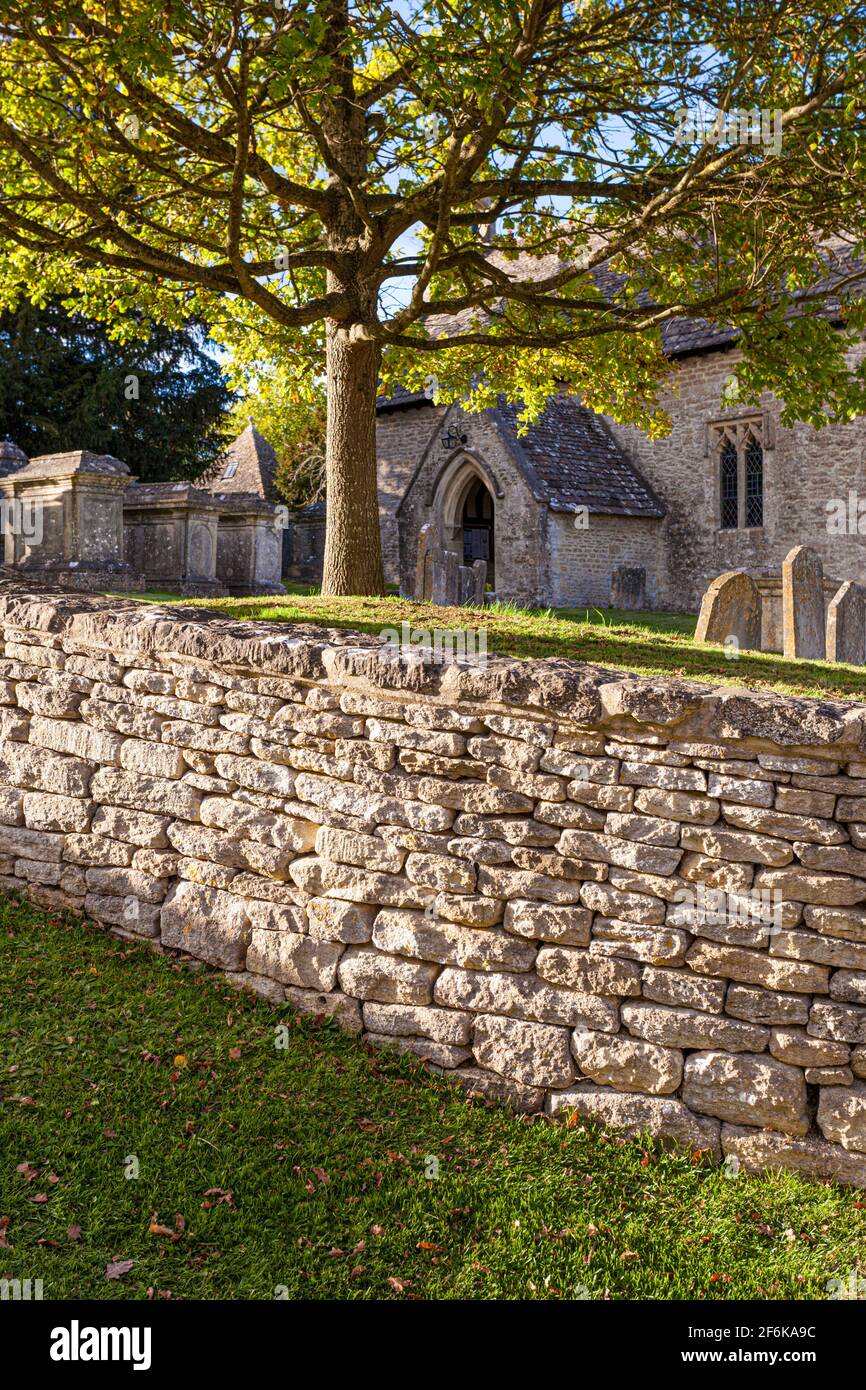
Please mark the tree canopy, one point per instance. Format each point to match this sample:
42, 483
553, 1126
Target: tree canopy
160, 403
496, 194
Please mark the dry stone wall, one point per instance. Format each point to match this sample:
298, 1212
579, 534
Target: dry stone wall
531, 875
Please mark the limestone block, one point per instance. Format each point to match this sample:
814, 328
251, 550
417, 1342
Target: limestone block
758, 1150
256, 774
746, 1089
842, 1116
490, 1086
806, 886
737, 845
31, 844
524, 996
848, 986
346, 1012
662, 1117
651, 945
132, 827
124, 882
157, 760
766, 1006
627, 1064
206, 923
677, 1027
468, 910
367, 973
666, 986
678, 806
293, 959
38, 770
495, 881
128, 913
444, 1055
757, 968
546, 922
364, 851
580, 970
410, 1020
77, 739
795, 1046
330, 920
42, 811
841, 1022
413, 934
535, 1054
809, 829
157, 795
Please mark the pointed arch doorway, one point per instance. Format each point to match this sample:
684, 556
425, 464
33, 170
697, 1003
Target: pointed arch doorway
464, 505
479, 536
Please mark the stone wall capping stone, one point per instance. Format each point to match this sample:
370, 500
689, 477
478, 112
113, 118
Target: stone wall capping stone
500, 870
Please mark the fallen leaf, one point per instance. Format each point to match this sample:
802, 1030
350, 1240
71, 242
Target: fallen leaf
74, 1233
41, 1198
117, 1268
27, 1171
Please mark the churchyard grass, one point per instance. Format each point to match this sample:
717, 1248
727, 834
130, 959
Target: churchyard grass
649, 644
307, 1171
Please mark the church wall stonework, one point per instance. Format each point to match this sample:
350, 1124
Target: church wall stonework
521, 872
582, 559
401, 438
804, 470
521, 559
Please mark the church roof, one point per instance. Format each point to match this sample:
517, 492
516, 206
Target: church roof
249, 465
571, 460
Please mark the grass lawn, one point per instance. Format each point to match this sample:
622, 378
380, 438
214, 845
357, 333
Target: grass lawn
303, 1168
650, 644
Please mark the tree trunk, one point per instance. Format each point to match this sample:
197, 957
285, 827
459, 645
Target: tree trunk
353, 545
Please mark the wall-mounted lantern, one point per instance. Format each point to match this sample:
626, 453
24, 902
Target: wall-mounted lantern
452, 437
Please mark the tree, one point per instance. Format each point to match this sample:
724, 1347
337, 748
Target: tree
159, 402
442, 182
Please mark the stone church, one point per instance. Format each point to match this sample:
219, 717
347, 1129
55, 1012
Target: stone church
557, 510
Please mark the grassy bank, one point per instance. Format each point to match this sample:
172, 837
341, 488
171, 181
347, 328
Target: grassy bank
301, 1169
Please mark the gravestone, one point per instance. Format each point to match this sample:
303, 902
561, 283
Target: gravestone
170, 535
628, 587
846, 625
731, 608
803, 633
69, 524
249, 545
441, 579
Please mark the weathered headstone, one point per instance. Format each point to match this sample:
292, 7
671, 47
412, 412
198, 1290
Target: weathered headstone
628, 587
441, 579
731, 609
846, 625
422, 563
803, 633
